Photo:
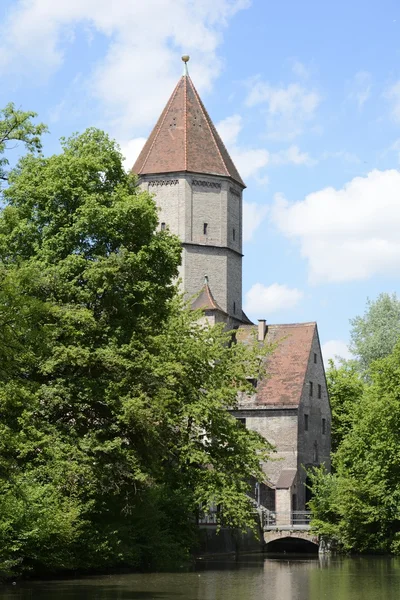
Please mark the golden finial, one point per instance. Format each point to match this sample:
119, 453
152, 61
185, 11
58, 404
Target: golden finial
185, 59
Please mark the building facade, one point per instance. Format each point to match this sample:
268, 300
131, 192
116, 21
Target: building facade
198, 191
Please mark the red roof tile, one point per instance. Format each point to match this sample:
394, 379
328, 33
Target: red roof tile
206, 301
185, 139
287, 365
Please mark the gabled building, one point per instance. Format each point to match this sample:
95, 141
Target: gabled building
290, 408
198, 190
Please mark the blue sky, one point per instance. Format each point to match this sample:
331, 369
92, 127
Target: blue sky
306, 96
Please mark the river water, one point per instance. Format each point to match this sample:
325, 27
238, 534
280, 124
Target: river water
249, 578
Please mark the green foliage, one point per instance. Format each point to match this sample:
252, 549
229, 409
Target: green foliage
375, 334
16, 126
345, 388
113, 397
360, 504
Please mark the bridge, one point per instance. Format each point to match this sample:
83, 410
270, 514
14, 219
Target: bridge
289, 532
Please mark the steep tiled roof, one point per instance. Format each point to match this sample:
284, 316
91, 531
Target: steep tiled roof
185, 139
287, 365
206, 301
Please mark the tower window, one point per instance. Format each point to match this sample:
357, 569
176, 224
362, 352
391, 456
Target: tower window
234, 308
305, 422
311, 388
233, 234
162, 226
205, 227
315, 358
319, 391
315, 453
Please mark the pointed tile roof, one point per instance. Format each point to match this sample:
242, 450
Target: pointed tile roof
206, 301
185, 139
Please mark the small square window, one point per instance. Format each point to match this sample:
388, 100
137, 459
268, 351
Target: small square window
162, 226
311, 388
305, 422
319, 391
324, 426
241, 421
315, 358
205, 227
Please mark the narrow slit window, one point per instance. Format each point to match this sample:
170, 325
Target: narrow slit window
324, 426
315, 358
305, 422
311, 388
162, 226
205, 228
319, 391
234, 308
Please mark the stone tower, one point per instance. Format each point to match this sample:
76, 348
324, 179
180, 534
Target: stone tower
198, 190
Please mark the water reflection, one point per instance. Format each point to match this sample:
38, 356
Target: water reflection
249, 578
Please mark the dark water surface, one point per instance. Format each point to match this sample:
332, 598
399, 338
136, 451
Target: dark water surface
249, 578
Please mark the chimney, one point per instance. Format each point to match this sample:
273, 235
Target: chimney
262, 329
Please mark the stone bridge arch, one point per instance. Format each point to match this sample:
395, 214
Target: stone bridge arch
291, 541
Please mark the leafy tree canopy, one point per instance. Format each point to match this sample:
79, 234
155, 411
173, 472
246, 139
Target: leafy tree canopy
375, 334
114, 398
16, 126
360, 503
345, 388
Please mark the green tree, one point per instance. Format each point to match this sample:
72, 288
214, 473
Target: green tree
375, 334
360, 504
345, 388
16, 126
114, 408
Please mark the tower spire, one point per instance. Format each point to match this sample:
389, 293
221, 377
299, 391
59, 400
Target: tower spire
185, 59
185, 139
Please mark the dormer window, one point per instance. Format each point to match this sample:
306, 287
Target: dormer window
205, 228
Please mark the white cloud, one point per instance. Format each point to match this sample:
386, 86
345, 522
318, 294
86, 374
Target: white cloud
343, 155
334, 349
253, 215
300, 70
346, 234
251, 161
131, 150
248, 161
262, 300
288, 108
393, 95
362, 86
294, 156
229, 129
144, 40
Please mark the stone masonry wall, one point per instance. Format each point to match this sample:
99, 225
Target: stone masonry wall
314, 446
186, 203
279, 427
